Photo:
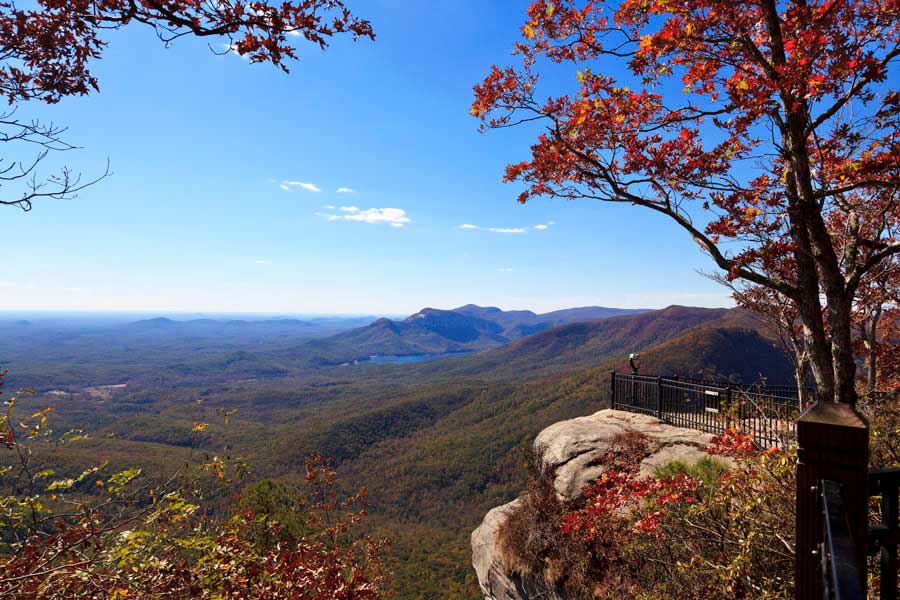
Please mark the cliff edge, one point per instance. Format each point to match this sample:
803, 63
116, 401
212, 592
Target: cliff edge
575, 450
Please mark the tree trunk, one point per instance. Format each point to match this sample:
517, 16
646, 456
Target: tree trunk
832, 359
871, 341
802, 373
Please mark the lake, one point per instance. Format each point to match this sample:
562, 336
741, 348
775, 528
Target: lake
393, 359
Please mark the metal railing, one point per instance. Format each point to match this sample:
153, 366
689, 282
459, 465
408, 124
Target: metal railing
767, 413
842, 577
636, 393
884, 538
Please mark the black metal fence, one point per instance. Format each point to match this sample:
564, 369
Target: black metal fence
884, 538
768, 413
843, 577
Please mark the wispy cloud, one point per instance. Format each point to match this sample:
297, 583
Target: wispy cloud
290, 186
263, 261
344, 190
505, 270
395, 217
507, 229
512, 230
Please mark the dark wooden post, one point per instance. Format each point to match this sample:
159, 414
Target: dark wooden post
612, 390
833, 443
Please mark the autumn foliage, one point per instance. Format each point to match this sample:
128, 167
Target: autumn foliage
767, 131
693, 532
120, 534
46, 50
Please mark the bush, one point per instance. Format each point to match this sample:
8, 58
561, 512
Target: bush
700, 531
114, 534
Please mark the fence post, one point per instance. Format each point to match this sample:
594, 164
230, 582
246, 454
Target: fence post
659, 411
612, 390
833, 443
728, 409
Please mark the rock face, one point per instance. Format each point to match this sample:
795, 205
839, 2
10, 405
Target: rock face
575, 448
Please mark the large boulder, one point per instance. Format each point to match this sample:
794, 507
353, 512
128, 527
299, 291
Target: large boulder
575, 449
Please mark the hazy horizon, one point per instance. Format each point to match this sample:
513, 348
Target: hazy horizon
260, 315
324, 191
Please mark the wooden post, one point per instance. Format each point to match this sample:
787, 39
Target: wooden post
612, 390
833, 443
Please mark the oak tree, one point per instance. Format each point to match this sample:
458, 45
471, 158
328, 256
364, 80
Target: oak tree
765, 130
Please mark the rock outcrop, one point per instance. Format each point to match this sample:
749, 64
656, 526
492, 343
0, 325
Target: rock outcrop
575, 449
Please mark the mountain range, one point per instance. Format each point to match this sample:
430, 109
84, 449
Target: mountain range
436, 331
436, 443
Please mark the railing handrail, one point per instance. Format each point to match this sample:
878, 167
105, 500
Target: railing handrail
709, 406
844, 578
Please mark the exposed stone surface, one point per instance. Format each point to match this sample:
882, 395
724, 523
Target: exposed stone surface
494, 582
575, 448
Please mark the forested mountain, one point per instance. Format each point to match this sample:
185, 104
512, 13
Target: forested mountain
581, 345
436, 443
436, 331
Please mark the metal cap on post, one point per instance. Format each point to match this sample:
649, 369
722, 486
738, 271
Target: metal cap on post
833, 444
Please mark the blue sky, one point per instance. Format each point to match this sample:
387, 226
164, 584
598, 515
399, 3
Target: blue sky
196, 217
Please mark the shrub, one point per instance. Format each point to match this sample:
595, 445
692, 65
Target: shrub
699, 531
113, 535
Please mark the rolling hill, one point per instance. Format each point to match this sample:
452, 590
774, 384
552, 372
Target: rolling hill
436, 444
586, 344
436, 331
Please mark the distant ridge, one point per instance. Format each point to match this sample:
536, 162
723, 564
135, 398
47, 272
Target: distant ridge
438, 331
592, 343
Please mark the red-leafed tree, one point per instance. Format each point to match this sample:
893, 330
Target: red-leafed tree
47, 49
757, 127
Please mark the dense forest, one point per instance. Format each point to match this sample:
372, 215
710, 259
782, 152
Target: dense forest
436, 443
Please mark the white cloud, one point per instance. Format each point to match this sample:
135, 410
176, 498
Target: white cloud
395, 217
507, 229
505, 270
344, 190
514, 230
290, 186
263, 262
329, 207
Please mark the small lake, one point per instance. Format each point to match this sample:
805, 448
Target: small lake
393, 359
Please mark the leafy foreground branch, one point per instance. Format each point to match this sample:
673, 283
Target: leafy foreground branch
103, 534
